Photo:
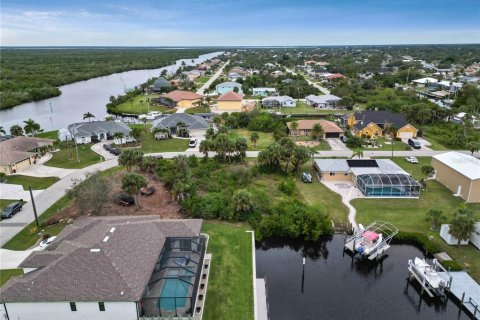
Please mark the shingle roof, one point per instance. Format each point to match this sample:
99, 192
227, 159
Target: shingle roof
118, 271
171, 120
327, 126
95, 127
230, 96
16, 149
462, 163
379, 118
323, 98
161, 83
179, 95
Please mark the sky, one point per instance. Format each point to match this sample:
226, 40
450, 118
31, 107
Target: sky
237, 23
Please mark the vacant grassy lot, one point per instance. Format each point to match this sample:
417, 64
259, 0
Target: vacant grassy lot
230, 289
35, 182
67, 158
409, 214
139, 105
266, 138
6, 274
48, 135
197, 110
201, 80
150, 145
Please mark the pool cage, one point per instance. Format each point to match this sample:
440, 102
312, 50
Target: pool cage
172, 289
388, 185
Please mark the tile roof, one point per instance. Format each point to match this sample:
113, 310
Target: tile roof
230, 96
328, 126
18, 148
171, 120
179, 95
118, 270
82, 129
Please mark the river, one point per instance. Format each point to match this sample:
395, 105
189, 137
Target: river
339, 286
85, 96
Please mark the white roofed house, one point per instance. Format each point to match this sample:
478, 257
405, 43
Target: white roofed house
263, 92
95, 131
279, 102
327, 101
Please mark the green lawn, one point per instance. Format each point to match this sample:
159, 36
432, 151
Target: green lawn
201, 80
6, 274
266, 138
435, 142
136, 107
29, 235
150, 145
48, 135
35, 182
197, 110
386, 146
230, 288
67, 158
6, 202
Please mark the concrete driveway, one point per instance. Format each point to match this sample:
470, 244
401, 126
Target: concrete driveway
98, 148
337, 145
425, 144
15, 191
40, 170
10, 259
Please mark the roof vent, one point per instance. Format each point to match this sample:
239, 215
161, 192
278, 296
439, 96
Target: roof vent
121, 293
106, 238
112, 229
95, 250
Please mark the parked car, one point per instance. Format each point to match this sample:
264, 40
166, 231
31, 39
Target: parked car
192, 143
411, 159
414, 143
45, 243
115, 151
344, 139
11, 210
107, 147
307, 177
124, 199
147, 191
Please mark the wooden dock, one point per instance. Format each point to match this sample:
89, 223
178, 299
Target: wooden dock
467, 291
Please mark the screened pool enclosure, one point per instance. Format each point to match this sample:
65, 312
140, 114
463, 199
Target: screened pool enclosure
173, 286
388, 185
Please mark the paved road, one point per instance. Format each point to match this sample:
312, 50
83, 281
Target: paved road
316, 85
10, 227
213, 78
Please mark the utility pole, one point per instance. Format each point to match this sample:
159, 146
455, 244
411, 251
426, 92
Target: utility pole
33, 205
76, 149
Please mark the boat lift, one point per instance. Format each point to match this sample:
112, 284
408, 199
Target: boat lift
373, 240
433, 278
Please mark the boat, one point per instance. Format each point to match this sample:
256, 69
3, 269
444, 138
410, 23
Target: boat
371, 241
433, 277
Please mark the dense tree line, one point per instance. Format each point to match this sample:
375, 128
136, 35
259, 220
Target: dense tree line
35, 74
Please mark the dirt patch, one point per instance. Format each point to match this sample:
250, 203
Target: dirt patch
160, 203
307, 143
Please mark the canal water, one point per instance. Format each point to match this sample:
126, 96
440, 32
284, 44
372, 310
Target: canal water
85, 96
339, 286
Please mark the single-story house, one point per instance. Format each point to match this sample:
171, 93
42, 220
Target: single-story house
377, 178
160, 84
115, 267
279, 102
263, 92
460, 173
19, 152
94, 131
193, 74
232, 76
424, 81
225, 87
330, 129
371, 123
178, 98
334, 76
230, 101
327, 101
195, 125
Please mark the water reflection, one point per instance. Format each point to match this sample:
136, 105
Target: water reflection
310, 249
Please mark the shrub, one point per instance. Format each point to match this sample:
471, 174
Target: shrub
287, 186
452, 265
417, 239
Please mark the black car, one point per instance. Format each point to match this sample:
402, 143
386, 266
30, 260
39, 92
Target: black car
124, 199
115, 151
107, 147
11, 210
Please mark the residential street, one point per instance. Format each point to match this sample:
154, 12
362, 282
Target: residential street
213, 78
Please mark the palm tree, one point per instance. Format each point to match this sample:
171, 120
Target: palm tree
136, 133
243, 203
132, 183
428, 171
205, 147
462, 225
435, 216
31, 127
149, 164
130, 158
294, 125
254, 138
119, 136
2, 130
88, 116
357, 152
317, 131
16, 130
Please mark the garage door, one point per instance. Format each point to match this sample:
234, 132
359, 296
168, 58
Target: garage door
332, 135
405, 135
22, 164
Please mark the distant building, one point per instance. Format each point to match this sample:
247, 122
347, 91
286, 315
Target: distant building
230, 101
19, 152
327, 101
263, 92
95, 131
279, 102
225, 87
178, 98
160, 84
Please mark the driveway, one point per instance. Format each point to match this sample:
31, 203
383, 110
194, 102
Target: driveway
337, 144
98, 148
40, 170
10, 259
425, 144
16, 192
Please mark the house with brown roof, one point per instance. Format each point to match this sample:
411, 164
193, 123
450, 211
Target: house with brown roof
115, 267
19, 152
178, 99
330, 129
230, 101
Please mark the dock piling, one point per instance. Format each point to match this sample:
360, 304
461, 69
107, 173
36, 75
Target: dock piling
463, 297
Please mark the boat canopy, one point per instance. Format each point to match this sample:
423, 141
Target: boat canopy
370, 235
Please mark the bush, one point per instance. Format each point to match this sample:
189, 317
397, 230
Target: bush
287, 186
452, 265
417, 239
